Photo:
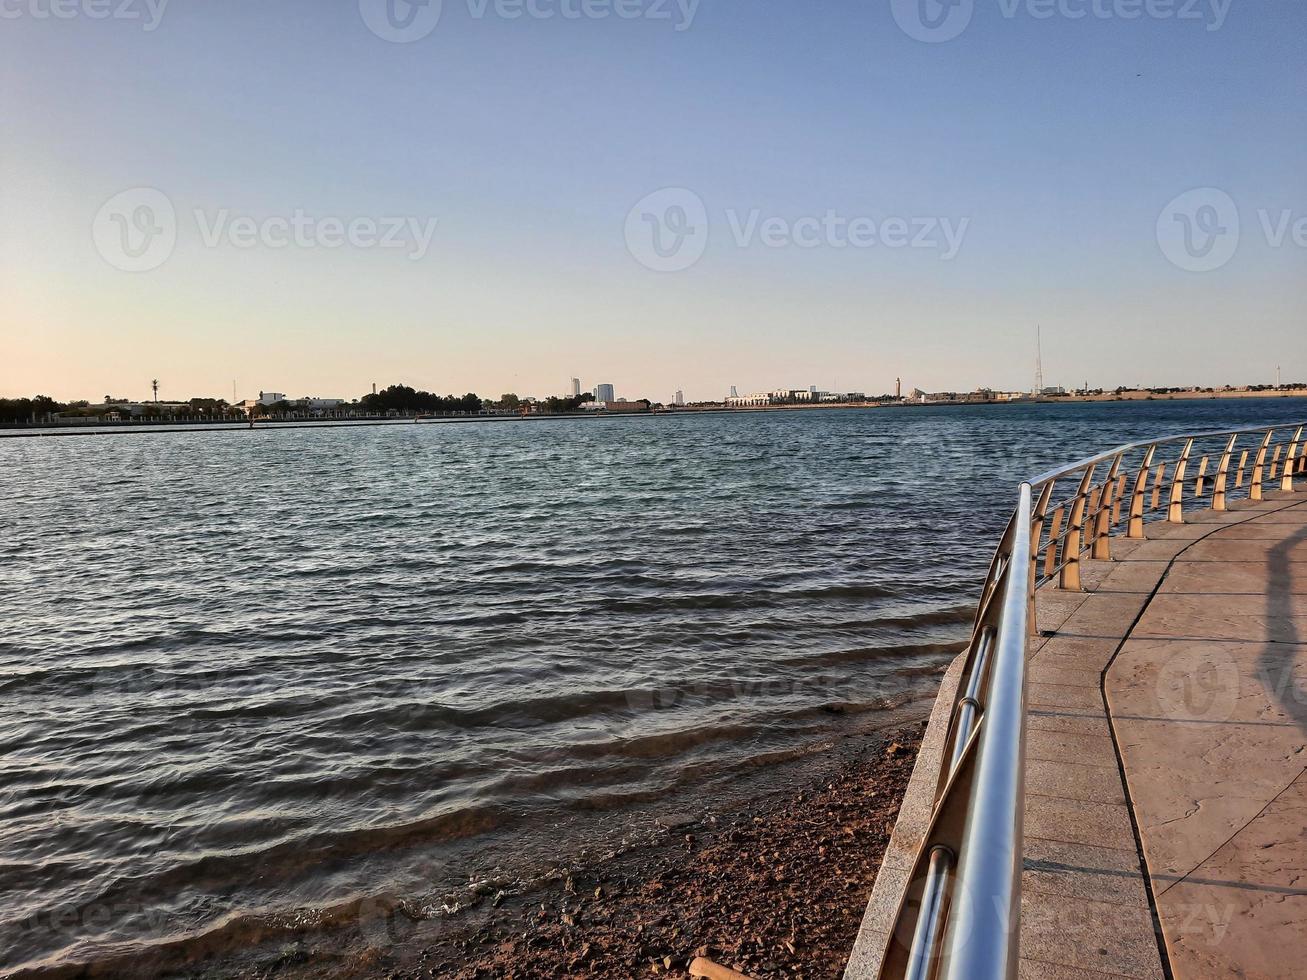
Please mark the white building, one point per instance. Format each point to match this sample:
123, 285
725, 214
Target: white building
680, 397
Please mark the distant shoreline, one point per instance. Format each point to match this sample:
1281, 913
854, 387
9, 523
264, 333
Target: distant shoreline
159, 426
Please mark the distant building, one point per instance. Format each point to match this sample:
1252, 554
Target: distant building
734, 393
604, 393
576, 387
680, 397
614, 406
746, 401
312, 406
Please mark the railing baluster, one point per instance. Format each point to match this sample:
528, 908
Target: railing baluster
1102, 548
1291, 462
1243, 465
1157, 486
1136, 529
1223, 473
1070, 578
1255, 491
1175, 515
1200, 481
1054, 529
1036, 531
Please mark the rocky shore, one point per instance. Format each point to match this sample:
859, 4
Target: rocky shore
775, 891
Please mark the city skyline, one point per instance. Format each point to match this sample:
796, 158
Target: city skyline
160, 392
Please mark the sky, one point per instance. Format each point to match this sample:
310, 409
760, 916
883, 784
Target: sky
500, 195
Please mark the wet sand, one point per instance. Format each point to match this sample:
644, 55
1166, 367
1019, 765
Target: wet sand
774, 890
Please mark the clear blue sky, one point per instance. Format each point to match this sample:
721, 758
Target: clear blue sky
1060, 140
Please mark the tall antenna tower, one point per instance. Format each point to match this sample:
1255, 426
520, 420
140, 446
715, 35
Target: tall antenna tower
1039, 360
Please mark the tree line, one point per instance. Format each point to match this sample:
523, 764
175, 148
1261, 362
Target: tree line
402, 398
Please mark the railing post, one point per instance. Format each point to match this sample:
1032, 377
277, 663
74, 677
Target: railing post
1223, 474
1200, 481
1243, 467
1259, 467
1075, 535
1037, 532
1157, 485
1136, 529
1175, 515
1290, 463
1103, 519
1054, 530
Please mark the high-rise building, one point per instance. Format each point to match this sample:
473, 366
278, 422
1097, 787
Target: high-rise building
604, 393
576, 387
898, 388
680, 397
734, 393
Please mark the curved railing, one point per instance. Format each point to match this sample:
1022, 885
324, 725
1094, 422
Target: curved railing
959, 917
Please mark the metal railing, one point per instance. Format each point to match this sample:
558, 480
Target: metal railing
959, 916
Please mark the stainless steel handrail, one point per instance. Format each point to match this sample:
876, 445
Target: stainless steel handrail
965, 883
959, 915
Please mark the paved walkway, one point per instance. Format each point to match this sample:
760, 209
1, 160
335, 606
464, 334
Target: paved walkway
1166, 817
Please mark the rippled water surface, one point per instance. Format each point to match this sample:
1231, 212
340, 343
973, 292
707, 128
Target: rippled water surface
246, 675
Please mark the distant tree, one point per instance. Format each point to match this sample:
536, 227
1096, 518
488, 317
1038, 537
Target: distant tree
510, 402
402, 398
208, 406
557, 405
25, 409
